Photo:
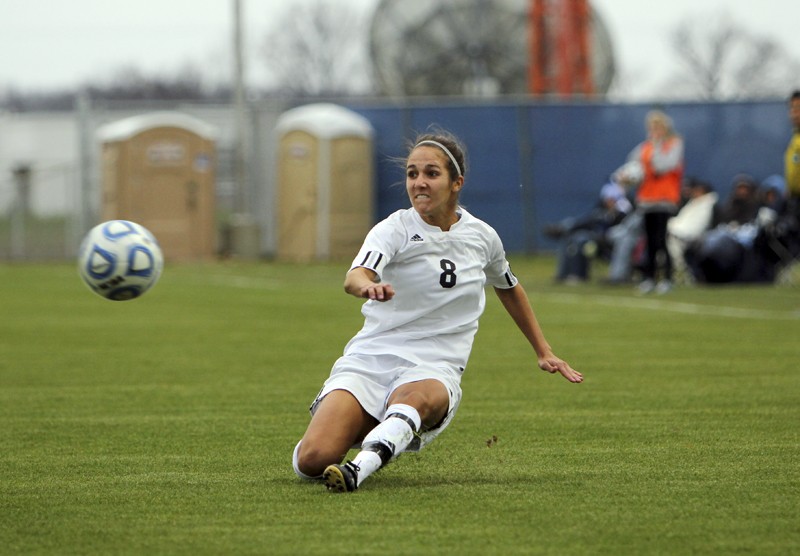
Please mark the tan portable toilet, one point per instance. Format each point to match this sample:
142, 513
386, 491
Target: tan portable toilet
158, 170
325, 183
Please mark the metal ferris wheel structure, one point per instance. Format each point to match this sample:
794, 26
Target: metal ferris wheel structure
490, 47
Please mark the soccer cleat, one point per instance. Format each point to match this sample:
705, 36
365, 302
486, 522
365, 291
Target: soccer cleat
341, 478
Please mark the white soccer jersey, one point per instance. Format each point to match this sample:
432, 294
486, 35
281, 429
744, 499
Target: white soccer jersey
439, 279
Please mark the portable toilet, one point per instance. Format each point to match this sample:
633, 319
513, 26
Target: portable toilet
158, 171
325, 182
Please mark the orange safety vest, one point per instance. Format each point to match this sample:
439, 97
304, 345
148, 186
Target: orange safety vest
657, 188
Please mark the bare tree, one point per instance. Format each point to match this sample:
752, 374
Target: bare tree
318, 48
723, 61
126, 83
132, 83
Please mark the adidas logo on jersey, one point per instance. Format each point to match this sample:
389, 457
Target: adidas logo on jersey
416, 237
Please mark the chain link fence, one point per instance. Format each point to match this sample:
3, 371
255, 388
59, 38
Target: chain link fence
50, 174
533, 163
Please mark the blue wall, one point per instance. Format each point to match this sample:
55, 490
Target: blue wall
531, 164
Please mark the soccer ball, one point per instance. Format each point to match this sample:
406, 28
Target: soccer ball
120, 260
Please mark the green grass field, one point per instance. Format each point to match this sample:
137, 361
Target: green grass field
165, 425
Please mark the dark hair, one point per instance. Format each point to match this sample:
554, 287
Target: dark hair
451, 143
696, 183
795, 95
744, 179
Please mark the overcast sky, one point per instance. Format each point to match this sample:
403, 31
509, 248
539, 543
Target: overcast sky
48, 44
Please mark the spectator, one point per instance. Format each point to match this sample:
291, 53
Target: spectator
584, 237
658, 196
692, 220
626, 249
773, 193
729, 252
742, 203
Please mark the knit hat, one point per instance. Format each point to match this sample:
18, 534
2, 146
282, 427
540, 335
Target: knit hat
774, 181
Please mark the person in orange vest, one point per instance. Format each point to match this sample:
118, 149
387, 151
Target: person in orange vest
658, 196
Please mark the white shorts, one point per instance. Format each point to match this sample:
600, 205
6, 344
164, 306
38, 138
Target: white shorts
371, 380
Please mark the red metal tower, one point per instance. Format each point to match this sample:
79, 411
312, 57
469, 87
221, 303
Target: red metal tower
560, 47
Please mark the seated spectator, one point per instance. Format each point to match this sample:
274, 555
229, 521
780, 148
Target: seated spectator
778, 244
693, 219
742, 246
627, 249
742, 204
584, 237
773, 193
778, 239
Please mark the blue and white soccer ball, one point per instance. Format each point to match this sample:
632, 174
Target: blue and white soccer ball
120, 260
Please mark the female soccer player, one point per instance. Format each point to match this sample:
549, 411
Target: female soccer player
422, 271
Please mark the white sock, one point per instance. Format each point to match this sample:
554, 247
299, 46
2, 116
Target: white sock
368, 462
297, 470
392, 437
406, 410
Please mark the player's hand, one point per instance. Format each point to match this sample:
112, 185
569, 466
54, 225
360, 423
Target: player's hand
378, 292
553, 364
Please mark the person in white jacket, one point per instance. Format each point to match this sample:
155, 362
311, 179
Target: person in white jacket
692, 220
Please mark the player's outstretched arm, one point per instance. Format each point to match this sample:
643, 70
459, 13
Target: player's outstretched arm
515, 300
360, 282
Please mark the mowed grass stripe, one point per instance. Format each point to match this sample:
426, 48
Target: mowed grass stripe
649, 303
